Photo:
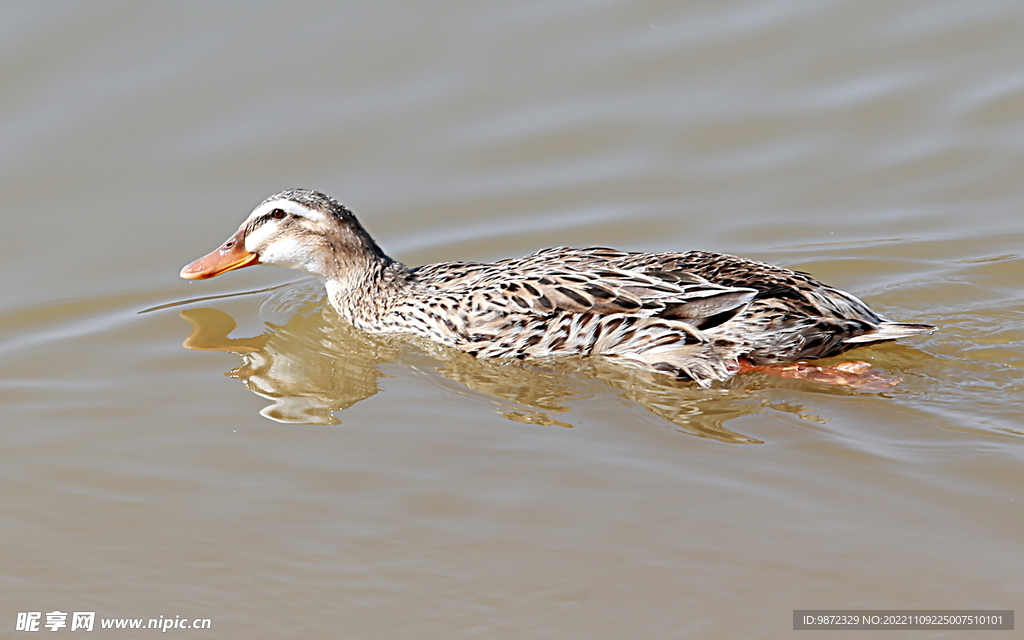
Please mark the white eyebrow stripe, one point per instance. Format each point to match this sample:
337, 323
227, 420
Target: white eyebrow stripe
288, 206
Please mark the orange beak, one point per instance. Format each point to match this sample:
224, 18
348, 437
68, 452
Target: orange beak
230, 256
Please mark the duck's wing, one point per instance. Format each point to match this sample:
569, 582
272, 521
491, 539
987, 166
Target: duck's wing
605, 290
794, 292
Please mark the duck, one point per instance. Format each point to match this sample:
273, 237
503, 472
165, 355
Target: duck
696, 316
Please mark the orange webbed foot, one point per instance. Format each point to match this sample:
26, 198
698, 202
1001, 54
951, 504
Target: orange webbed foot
855, 374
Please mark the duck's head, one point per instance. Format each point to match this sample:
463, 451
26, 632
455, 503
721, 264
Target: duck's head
297, 228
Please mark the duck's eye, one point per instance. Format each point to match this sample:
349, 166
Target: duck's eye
278, 214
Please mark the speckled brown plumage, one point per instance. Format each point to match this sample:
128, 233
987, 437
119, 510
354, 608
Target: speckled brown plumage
691, 315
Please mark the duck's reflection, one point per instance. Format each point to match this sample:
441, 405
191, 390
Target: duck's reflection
308, 371
317, 364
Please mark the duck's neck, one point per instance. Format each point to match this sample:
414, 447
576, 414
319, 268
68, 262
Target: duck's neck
362, 288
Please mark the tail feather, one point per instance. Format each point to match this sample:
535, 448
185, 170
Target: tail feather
891, 331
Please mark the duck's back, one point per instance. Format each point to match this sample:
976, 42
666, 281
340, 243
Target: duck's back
793, 316
601, 300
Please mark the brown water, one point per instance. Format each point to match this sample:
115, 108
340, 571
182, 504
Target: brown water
403, 491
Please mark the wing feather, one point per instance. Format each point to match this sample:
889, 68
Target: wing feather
605, 291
